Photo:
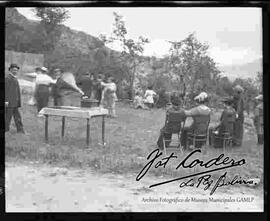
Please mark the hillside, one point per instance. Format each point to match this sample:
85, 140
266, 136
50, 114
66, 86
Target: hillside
73, 39
79, 52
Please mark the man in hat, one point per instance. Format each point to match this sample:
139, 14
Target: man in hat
13, 99
201, 110
227, 120
258, 119
238, 105
43, 83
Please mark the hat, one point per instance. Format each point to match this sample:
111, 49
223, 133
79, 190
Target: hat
259, 97
238, 88
44, 69
13, 66
57, 69
201, 97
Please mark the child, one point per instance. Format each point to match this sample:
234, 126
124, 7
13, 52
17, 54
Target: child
109, 96
138, 101
149, 97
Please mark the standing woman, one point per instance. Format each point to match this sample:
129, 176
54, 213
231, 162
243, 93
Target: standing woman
149, 97
109, 96
43, 83
238, 105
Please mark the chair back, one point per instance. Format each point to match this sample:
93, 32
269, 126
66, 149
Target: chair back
174, 120
228, 123
200, 124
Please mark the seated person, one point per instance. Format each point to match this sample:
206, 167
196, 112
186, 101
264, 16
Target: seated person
196, 113
174, 108
227, 120
138, 101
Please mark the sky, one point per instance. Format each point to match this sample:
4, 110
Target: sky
233, 34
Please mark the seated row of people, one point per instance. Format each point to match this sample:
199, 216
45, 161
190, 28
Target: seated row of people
230, 126
200, 115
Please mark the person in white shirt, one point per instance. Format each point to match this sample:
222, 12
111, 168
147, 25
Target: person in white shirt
109, 97
43, 83
149, 97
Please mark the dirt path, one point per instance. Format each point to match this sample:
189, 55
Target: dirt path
41, 188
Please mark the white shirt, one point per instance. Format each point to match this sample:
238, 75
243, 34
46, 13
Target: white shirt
149, 96
44, 79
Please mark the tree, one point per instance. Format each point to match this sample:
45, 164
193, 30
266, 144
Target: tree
191, 67
50, 20
132, 50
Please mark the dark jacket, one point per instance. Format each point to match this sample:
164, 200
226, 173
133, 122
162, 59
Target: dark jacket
238, 105
258, 118
86, 85
12, 91
61, 88
227, 120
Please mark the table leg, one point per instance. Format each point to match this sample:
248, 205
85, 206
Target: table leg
88, 132
63, 126
103, 130
46, 127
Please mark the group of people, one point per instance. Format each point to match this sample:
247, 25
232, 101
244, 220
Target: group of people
59, 87
95, 87
145, 101
100, 89
233, 112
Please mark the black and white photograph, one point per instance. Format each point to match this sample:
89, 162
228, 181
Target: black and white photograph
134, 109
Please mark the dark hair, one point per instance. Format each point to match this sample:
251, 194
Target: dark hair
150, 87
175, 99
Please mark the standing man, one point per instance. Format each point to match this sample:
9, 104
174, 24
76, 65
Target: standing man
43, 83
13, 99
258, 119
55, 90
238, 105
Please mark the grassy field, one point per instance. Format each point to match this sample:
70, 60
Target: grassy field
130, 138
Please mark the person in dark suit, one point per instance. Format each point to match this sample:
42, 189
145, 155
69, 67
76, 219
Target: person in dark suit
86, 82
13, 99
227, 121
238, 104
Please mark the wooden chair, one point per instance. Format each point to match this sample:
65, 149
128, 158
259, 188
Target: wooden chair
199, 132
174, 123
225, 135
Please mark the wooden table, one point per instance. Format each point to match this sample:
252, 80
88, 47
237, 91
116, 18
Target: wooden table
75, 112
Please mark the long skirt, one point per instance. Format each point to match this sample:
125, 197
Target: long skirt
238, 132
166, 136
42, 96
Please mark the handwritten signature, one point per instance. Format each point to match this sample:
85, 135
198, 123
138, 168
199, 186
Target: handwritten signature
220, 163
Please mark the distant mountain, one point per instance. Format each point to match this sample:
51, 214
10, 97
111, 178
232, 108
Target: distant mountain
248, 70
75, 51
